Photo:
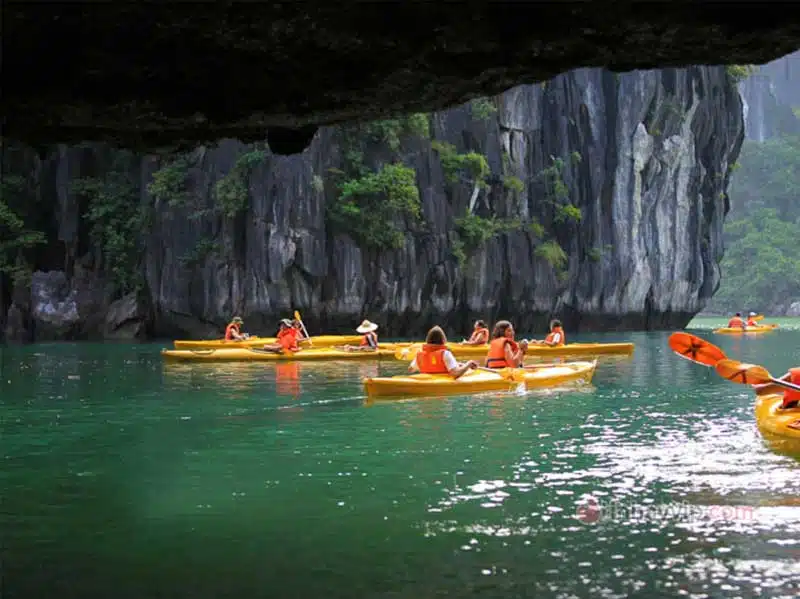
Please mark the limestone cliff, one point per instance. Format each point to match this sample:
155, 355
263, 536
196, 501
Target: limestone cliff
617, 204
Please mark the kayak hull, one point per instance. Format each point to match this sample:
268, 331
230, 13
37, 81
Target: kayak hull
572, 349
438, 385
745, 330
557, 374
253, 355
478, 381
774, 422
259, 342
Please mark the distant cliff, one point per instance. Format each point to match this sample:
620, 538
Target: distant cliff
595, 197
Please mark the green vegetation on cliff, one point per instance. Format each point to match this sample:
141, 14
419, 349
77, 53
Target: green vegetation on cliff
17, 235
761, 266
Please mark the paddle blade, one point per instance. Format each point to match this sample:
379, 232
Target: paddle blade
695, 349
297, 315
758, 317
741, 373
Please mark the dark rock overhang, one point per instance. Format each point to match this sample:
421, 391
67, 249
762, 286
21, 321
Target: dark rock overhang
160, 76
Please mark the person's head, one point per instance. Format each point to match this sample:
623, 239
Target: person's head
285, 324
503, 328
237, 321
479, 324
752, 314
296, 324
739, 314
436, 336
366, 327
555, 324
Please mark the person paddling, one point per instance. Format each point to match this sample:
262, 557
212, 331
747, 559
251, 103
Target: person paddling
504, 352
298, 326
287, 339
556, 336
480, 334
751, 320
791, 398
435, 358
369, 341
736, 321
233, 332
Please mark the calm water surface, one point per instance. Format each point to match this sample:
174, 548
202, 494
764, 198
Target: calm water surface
124, 477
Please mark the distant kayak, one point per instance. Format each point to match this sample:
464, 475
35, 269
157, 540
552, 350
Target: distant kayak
478, 381
259, 342
255, 355
479, 351
740, 331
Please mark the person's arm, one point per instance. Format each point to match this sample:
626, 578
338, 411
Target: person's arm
515, 359
455, 369
413, 366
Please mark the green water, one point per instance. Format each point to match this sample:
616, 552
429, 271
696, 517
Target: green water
126, 478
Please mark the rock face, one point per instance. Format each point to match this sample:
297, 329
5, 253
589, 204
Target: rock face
770, 95
645, 156
286, 68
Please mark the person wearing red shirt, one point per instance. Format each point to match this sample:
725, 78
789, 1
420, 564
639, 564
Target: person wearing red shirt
287, 339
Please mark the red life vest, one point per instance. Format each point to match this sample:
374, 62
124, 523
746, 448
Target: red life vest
790, 395
365, 340
229, 331
484, 333
496, 358
288, 339
430, 359
551, 336
735, 322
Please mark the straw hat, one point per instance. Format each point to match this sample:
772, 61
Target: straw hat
286, 322
752, 313
366, 327
237, 320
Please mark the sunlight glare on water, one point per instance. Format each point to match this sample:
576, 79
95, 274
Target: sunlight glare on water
130, 478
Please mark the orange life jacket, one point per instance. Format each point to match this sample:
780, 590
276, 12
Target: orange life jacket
752, 323
288, 339
369, 340
229, 331
790, 395
551, 336
482, 332
430, 359
735, 322
496, 358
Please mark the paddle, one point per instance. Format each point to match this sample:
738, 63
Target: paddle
749, 374
695, 349
303, 326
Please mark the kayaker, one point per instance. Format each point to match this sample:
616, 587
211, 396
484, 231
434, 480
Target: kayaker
504, 352
435, 358
556, 336
736, 321
369, 341
791, 398
233, 332
750, 321
480, 334
287, 339
298, 326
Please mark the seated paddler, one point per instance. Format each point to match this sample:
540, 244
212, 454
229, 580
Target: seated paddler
435, 358
556, 336
287, 339
233, 332
369, 339
504, 351
480, 334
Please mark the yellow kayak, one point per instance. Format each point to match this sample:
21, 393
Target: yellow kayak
416, 385
551, 375
775, 422
739, 330
478, 381
479, 351
243, 354
259, 342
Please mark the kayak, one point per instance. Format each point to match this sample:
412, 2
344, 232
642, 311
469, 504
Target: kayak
478, 381
416, 385
554, 374
259, 342
739, 330
773, 421
479, 351
243, 354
